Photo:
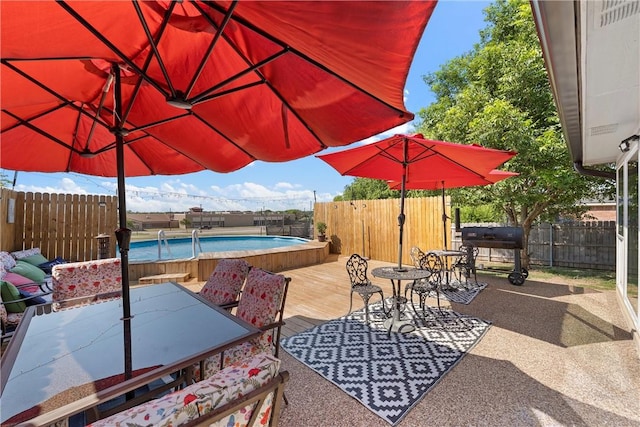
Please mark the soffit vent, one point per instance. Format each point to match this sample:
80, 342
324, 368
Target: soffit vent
616, 10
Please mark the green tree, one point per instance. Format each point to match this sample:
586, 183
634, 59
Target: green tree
498, 95
367, 189
186, 222
4, 180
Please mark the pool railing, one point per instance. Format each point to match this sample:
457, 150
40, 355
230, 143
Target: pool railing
195, 238
162, 238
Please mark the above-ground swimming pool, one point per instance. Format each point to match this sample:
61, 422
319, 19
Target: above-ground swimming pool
181, 248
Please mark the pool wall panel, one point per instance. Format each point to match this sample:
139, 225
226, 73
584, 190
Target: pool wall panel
275, 260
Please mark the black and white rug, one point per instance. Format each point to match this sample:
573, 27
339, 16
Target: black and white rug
462, 295
387, 373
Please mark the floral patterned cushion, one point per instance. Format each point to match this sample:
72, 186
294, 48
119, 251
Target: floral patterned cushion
7, 260
79, 279
226, 280
261, 300
14, 318
232, 356
3, 312
26, 253
9, 319
182, 406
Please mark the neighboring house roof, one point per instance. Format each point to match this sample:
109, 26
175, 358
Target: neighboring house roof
592, 52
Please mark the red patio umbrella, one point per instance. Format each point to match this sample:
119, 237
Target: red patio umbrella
414, 158
471, 180
116, 88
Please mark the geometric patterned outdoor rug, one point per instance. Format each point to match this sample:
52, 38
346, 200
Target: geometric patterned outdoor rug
388, 374
462, 296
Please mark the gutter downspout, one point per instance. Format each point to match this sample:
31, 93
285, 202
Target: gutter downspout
593, 172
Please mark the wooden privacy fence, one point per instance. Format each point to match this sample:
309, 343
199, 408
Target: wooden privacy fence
61, 225
588, 244
370, 227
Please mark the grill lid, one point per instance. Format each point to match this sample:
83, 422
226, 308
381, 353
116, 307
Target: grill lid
493, 237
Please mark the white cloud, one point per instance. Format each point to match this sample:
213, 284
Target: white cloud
178, 196
66, 186
285, 185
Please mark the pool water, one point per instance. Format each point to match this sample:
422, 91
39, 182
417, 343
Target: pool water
181, 248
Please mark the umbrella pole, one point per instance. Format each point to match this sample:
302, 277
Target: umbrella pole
444, 218
123, 234
402, 191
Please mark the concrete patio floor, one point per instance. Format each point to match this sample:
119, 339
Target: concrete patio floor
556, 355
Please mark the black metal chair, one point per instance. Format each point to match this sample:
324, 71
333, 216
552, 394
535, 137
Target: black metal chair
423, 288
466, 265
360, 283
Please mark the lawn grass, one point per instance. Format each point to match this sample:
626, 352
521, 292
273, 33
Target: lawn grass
595, 279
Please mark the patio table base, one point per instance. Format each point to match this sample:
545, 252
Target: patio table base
395, 325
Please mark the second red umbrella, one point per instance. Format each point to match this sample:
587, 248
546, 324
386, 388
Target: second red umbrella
412, 158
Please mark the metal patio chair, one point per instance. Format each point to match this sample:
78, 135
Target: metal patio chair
424, 287
261, 304
465, 266
360, 283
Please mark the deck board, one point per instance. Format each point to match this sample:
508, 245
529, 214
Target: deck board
320, 292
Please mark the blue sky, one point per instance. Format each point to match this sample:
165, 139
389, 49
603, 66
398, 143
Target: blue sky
453, 30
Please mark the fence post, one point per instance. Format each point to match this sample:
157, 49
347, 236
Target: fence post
550, 244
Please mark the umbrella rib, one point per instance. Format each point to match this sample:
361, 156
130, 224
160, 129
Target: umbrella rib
158, 123
216, 130
455, 162
205, 96
110, 45
154, 44
227, 92
212, 45
197, 99
37, 116
42, 132
404, 114
65, 101
147, 62
429, 151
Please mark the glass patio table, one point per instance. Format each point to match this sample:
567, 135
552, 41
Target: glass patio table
396, 323
53, 357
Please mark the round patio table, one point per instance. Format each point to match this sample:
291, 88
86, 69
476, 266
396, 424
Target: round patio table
395, 323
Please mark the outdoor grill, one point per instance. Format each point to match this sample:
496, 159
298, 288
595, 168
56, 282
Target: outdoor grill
499, 238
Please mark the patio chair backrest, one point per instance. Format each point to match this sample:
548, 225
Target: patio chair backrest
470, 255
416, 255
433, 263
262, 303
86, 279
357, 270
225, 282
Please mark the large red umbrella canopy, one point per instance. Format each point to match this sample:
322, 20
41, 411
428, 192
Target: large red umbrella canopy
413, 158
417, 159
116, 88
205, 85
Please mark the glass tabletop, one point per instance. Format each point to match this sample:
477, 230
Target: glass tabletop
68, 348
